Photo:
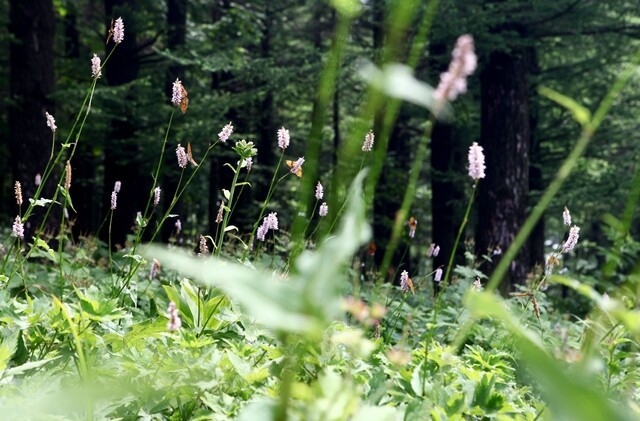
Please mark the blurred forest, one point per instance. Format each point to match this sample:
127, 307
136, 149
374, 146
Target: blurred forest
259, 63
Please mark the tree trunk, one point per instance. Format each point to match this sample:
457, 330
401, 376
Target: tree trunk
505, 136
176, 41
121, 162
32, 81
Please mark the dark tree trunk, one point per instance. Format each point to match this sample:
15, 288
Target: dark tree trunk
536, 177
447, 192
505, 136
32, 81
121, 152
83, 189
176, 40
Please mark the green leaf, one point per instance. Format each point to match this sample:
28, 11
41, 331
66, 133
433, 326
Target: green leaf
67, 196
580, 113
7, 348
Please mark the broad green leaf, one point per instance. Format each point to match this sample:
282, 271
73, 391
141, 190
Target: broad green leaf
67, 196
580, 113
7, 348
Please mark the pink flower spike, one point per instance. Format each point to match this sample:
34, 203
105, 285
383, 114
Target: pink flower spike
95, 67
176, 92
283, 138
319, 191
367, 146
225, 133
476, 162
183, 160
18, 228
324, 209
118, 31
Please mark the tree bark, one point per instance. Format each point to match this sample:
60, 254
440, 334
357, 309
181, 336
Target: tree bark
505, 136
32, 81
176, 41
121, 152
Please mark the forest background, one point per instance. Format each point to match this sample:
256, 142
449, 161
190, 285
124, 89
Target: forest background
258, 64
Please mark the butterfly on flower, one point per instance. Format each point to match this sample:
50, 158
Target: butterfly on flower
292, 164
190, 155
184, 102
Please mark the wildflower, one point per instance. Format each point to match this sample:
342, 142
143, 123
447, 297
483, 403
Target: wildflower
182, 157
270, 222
174, 318
204, 249
18, 190
37, 180
477, 285
118, 31
319, 191
116, 186
220, 213
155, 269
434, 250
114, 200
297, 166
378, 311
283, 138
437, 277
249, 162
398, 357
156, 196
413, 224
178, 226
176, 92
96, 71
404, 281
454, 81
367, 146
476, 161
572, 240
225, 133
51, 122
272, 219
357, 308
18, 228
566, 216
67, 176
324, 209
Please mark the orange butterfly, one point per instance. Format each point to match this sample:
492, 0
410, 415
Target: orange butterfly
291, 164
184, 102
190, 155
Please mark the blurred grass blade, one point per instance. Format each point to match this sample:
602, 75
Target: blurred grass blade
571, 395
580, 113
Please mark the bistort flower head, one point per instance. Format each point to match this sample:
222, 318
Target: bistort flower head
18, 191
176, 92
220, 215
18, 228
463, 63
174, 318
324, 209
404, 281
183, 160
249, 162
114, 200
202, 246
283, 138
270, 222
51, 122
155, 269
296, 166
116, 186
38, 179
476, 162
156, 196
367, 146
319, 191
118, 31
95, 66
225, 133
437, 276
572, 240
566, 216
178, 226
